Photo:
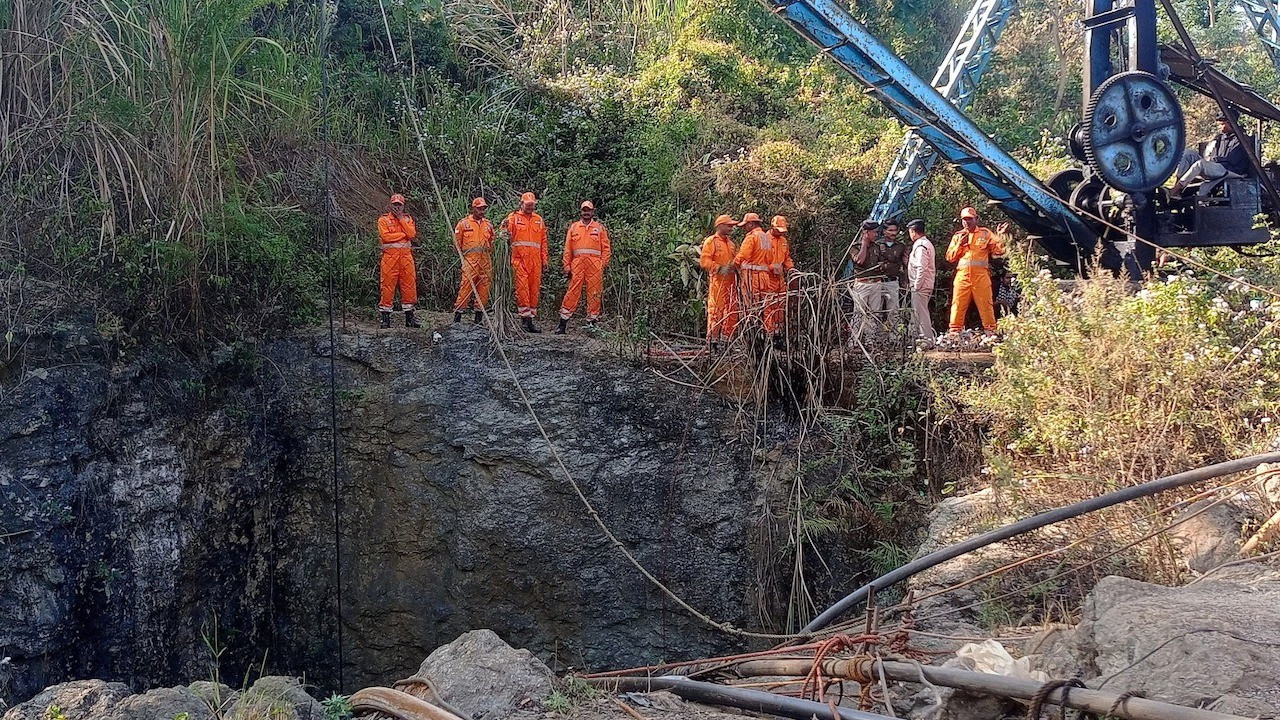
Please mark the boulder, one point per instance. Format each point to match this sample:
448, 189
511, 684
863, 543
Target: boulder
485, 677
1214, 643
177, 703
278, 698
1209, 538
78, 700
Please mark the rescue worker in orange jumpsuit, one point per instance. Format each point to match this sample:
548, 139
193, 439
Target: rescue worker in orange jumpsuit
397, 231
766, 259
529, 257
972, 248
473, 238
716, 258
586, 253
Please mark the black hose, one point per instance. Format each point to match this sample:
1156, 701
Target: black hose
728, 696
1034, 523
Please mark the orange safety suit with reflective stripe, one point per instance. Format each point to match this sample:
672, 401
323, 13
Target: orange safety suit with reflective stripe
474, 239
722, 292
528, 258
972, 253
586, 253
765, 259
397, 261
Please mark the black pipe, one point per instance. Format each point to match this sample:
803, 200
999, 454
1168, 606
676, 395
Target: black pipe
728, 696
1034, 522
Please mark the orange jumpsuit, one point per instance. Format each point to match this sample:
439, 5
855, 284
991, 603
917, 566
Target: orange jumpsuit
474, 239
586, 252
397, 261
722, 293
765, 258
973, 275
528, 258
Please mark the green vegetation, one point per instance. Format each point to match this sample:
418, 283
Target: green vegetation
337, 707
176, 178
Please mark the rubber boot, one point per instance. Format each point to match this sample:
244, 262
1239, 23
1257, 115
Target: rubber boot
479, 317
457, 316
564, 325
529, 327
385, 321
410, 321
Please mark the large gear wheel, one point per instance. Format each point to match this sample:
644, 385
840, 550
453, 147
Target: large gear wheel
1134, 133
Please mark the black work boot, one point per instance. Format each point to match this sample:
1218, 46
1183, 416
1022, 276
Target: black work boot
410, 321
479, 317
457, 316
529, 327
591, 326
385, 321
564, 325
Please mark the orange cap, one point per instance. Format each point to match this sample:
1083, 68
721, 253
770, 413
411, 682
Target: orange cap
779, 223
751, 217
725, 220
397, 199
528, 197
479, 203
969, 212
586, 204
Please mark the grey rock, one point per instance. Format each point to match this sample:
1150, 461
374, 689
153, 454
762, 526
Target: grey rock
1212, 643
278, 698
487, 678
217, 696
77, 700
162, 704
1209, 538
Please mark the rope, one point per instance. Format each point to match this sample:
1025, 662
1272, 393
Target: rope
613, 540
1042, 696
333, 352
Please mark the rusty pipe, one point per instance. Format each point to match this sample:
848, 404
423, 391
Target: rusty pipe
979, 683
396, 704
728, 696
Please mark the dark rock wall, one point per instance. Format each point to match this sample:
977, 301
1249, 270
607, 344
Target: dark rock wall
154, 515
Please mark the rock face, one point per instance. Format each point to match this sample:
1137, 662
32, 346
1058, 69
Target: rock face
156, 515
1212, 644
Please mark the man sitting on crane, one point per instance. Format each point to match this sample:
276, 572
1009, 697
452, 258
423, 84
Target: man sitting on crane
1224, 157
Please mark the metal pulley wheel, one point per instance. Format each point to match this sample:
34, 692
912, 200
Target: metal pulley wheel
1133, 132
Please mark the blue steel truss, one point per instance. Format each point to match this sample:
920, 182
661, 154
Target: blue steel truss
1264, 15
957, 80
946, 128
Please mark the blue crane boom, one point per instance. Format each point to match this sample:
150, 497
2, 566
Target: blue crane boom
956, 79
946, 128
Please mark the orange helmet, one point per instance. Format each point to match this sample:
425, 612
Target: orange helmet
397, 199
750, 218
528, 197
968, 212
779, 222
587, 204
479, 203
725, 220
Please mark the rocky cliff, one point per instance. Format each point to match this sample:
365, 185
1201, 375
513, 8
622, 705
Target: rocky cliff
160, 514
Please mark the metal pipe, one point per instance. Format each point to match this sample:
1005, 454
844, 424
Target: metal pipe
1034, 522
741, 698
978, 683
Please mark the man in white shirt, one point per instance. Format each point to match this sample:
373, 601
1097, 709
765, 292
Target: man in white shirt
920, 276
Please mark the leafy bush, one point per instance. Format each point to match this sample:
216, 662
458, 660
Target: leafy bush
1109, 387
